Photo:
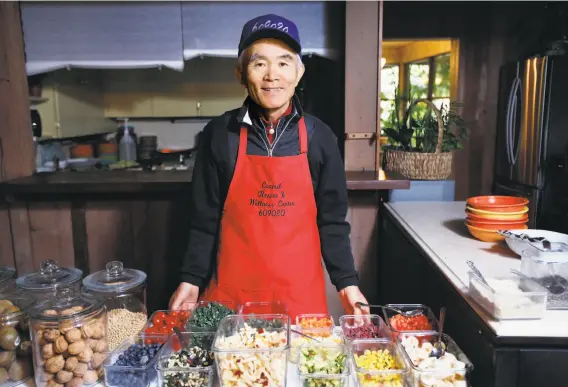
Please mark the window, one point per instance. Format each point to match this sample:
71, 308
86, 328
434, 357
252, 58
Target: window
389, 90
430, 79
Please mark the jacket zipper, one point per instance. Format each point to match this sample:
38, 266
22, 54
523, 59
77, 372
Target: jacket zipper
269, 146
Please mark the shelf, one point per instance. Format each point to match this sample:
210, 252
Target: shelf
34, 101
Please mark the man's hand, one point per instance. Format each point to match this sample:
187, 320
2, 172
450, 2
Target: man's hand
184, 296
349, 296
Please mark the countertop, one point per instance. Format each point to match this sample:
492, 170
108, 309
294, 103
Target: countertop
438, 228
65, 182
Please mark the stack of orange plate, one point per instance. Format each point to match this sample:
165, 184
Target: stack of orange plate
487, 214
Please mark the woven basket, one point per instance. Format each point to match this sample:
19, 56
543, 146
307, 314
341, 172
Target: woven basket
419, 165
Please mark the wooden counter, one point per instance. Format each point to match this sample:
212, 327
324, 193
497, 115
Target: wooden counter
158, 182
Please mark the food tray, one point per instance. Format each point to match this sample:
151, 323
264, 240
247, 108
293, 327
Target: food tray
120, 376
297, 340
421, 377
151, 327
351, 327
504, 305
237, 356
171, 375
399, 377
313, 331
202, 304
263, 307
426, 311
310, 376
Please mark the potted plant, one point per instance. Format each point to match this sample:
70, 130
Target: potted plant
422, 148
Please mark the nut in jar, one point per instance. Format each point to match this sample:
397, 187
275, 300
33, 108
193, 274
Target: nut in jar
69, 337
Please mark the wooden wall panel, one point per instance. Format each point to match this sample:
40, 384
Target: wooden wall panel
109, 232
51, 233
21, 238
16, 147
6, 247
361, 76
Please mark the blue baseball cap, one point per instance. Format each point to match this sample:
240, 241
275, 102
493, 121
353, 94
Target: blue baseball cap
270, 26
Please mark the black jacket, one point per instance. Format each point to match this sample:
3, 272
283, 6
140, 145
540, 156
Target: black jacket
213, 171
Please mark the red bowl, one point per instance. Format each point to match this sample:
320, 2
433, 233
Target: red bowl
497, 203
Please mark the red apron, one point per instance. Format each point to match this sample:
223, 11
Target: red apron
270, 246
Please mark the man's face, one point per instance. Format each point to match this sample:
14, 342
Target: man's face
271, 73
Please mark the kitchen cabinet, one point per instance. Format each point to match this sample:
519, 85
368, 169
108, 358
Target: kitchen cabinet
406, 274
206, 88
71, 108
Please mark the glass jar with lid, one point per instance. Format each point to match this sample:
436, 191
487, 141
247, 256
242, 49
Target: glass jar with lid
69, 338
41, 284
7, 281
124, 294
15, 343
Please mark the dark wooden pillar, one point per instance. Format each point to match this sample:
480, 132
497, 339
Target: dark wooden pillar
16, 143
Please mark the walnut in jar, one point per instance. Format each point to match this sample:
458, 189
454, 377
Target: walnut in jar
53, 383
98, 359
50, 312
80, 370
51, 335
66, 325
54, 364
76, 348
91, 377
71, 363
101, 346
73, 335
63, 376
47, 351
75, 382
60, 345
86, 355
87, 330
47, 376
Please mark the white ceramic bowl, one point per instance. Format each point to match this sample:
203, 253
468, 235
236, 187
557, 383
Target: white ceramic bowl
518, 246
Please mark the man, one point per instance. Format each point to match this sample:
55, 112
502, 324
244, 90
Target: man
269, 195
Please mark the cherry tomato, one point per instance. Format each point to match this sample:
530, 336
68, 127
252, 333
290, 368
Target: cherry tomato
157, 320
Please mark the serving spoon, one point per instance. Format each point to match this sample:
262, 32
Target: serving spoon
406, 313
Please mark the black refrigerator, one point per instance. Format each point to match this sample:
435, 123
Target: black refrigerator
531, 157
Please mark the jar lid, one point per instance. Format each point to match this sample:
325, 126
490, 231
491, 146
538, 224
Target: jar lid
65, 304
13, 306
6, 272
115, 279
48, 276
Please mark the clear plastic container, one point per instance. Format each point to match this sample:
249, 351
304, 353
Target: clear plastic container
203, 319
356, 327
69, 338
426, 311
316, 325
7, 280
454, 367
322, 365
297, 340
124, 294
550, 270
173, 367
41, 285
121, 376
239, 360
159, 323
398, 375
263, 307
510, 297
15, 343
